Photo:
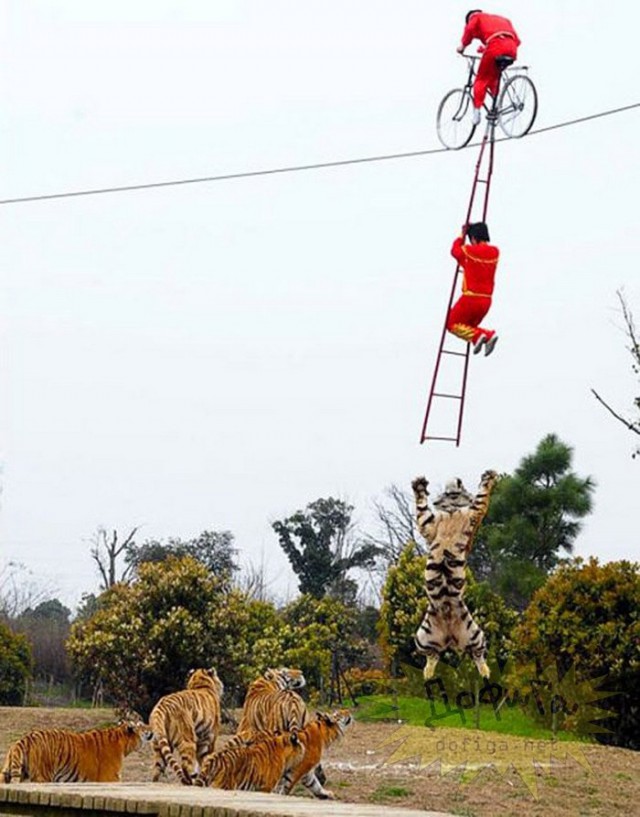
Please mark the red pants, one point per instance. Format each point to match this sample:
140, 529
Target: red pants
465, 316
488, 76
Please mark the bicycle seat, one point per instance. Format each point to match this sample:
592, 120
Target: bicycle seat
504, 62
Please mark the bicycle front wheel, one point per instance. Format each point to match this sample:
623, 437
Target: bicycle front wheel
517, 106
454, 121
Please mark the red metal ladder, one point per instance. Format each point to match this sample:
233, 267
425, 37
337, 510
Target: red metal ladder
458, 396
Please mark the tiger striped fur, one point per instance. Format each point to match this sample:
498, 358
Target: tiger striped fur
449, 532
272, 704
323, 730
256, 765
58, 756
187, 723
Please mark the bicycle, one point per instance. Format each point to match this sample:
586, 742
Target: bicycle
515, 109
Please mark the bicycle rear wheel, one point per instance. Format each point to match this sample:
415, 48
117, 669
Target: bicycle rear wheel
454, 122
517, 106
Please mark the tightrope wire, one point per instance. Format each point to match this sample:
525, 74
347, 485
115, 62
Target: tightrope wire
297, 168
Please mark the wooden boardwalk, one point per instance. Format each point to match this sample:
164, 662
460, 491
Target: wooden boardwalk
93, 799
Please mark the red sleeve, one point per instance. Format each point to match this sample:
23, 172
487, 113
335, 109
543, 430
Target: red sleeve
468, 33
456, 249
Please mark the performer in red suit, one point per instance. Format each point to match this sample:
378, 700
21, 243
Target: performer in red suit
478, 260
498, 38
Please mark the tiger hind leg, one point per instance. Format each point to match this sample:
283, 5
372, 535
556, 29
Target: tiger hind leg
187, 752
430, 667
430, 639
311, 782
481, 663
473, 641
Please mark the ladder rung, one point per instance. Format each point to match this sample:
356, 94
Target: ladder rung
452, 396
430, 437
448, 352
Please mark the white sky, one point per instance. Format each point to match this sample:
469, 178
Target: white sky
217, 356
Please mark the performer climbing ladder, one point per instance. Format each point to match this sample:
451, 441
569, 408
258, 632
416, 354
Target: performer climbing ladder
484, 165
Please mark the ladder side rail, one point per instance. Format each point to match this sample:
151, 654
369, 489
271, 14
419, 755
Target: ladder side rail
488, 139
443, 336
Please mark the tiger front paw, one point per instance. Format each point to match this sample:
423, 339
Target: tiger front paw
489, 476
420, 485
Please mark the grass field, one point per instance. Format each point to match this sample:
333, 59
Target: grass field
419, 712
359, 769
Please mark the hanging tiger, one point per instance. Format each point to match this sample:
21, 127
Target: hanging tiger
272, 703
187, 723
449, 531
58, 756
254, 764
323, 730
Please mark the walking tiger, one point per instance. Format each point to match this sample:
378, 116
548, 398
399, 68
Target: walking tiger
58, 756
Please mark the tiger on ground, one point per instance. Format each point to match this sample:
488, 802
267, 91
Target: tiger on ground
323, 730
449, 531
276, 761
272, 703
187, 723
254, 764
59, 756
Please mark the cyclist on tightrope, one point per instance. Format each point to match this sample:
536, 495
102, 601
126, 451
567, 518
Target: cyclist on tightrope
478, 261
499, 39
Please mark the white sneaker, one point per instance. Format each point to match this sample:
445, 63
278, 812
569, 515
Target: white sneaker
475, 116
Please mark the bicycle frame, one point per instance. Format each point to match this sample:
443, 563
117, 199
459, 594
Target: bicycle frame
493, 112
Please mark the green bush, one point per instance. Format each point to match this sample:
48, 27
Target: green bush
370, 682
144, 637
15, 667
587, 618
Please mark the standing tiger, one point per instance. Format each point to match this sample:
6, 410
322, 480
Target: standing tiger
272, 704
449, 532
323, 730
57, 756
187, 722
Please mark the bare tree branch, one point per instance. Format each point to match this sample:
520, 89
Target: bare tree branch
253, 580
105, 553
396, 525
634, 349
19, 593
631, 426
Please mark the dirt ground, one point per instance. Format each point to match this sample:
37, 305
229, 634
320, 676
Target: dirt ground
358, 770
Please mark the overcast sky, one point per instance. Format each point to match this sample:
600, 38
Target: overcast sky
216, 356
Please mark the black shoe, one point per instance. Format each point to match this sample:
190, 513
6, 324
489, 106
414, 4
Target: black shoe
490, 345
479, 344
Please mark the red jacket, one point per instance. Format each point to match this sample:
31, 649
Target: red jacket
483, 26
478, 262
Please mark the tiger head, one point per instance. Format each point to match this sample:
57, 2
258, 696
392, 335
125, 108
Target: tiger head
455, 496
205, 679
286, 677
340, 719
135, 726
